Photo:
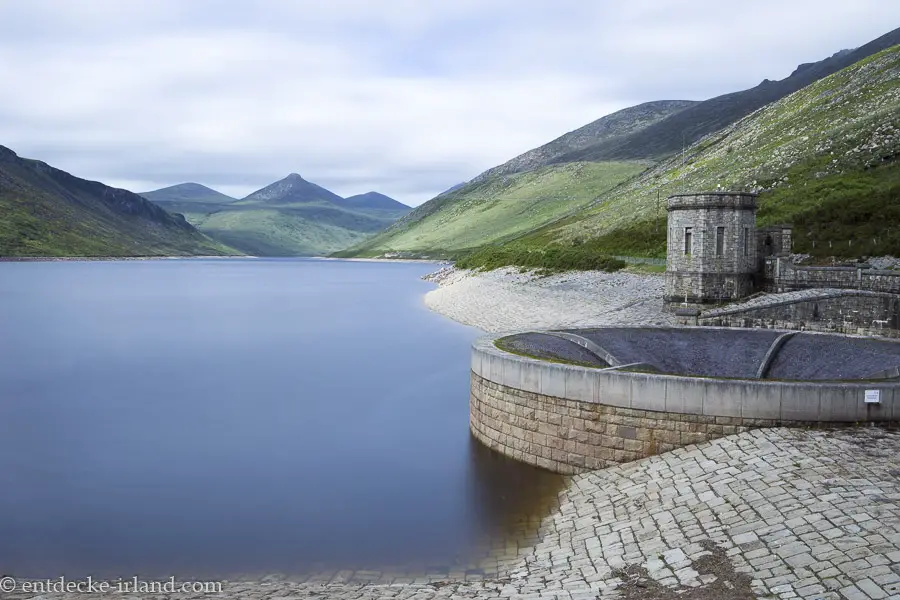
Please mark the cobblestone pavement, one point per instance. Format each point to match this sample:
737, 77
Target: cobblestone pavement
771, 513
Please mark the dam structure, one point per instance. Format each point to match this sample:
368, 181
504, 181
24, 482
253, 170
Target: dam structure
576, 400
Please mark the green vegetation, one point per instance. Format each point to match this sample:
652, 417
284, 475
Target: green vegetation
280, 231
553, 258
498, 208
846, 215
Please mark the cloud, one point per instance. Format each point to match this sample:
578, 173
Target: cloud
407, 97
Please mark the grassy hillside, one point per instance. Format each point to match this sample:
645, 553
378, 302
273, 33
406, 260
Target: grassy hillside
824, 157
48, 212
496, 209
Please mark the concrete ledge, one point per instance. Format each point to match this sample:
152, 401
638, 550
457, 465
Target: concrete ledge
569, 418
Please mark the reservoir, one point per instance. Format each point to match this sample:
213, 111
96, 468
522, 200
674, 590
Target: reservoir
226, 417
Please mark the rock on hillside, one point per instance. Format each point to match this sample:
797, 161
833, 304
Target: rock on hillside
605, 129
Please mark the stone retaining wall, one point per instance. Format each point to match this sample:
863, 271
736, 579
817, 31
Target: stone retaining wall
780, 275
844, 311
569, 419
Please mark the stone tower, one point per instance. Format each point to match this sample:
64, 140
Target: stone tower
711, 247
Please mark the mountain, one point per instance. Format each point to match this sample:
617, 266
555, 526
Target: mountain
187, 193
291, 217
608, 129
293, 189
591, 186
519, 195
825, 158
47, 212
374, 200
667, 136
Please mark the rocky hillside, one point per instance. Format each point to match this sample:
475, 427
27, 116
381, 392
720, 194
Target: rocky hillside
606, 130
826, 158
666, 136
47, 212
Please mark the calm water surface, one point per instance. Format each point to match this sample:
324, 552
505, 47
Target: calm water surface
224, 417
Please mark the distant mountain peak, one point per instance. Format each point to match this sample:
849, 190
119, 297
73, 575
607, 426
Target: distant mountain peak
187, 192
293, 189
373, 199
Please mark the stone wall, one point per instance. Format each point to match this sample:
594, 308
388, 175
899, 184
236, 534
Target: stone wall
783, 276
710, 270
838, 311
568, 419
568, 436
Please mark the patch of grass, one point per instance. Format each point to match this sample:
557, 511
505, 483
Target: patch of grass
553, 258
847, 215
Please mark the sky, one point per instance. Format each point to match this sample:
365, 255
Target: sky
404, 97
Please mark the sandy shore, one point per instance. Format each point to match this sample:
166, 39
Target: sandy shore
506, 300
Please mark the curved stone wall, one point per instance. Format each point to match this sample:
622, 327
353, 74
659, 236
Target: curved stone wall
569, 419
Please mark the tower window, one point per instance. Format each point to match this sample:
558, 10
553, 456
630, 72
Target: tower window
720, 241
688, 235
746, 241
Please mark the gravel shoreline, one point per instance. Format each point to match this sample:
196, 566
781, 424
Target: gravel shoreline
507, 300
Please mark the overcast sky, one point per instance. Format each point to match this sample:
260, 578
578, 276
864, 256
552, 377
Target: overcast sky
406, 97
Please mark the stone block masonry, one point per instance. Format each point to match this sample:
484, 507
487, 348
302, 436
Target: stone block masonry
567, 436
829, 310
570, 419
711, 253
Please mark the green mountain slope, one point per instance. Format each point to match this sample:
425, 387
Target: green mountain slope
520, 195
667, 136
291, 217
496, 209
826, 158
47, 212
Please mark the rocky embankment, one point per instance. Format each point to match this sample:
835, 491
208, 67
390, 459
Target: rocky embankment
508, 300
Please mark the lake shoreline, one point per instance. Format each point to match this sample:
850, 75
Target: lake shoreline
507, 300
